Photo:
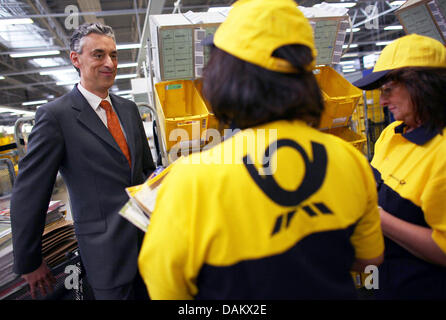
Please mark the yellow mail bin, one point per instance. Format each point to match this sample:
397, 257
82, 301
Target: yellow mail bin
340, 97
345, 133
179, 106
213, 123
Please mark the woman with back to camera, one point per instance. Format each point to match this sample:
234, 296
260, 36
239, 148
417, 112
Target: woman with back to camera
410, 167
279, 210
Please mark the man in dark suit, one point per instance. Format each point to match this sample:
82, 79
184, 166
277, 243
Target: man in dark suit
97, 141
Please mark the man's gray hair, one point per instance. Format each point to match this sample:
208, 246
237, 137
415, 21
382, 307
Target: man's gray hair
84, 30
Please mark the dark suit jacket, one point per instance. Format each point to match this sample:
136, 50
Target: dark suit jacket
69, 136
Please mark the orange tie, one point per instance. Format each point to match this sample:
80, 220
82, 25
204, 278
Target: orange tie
115, 129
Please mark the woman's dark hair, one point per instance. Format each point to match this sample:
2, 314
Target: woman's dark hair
244, 95
427, 88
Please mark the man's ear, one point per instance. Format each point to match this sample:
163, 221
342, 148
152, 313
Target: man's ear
74, 57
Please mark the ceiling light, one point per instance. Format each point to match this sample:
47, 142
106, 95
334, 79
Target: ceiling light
369, 60
126, 76
353, 30
4, 22
119, 93
350, 55
353, 45
34, 53
128, 65
383, 43
342, 4
348, 62
72, 70
16, 111
30, 103
2, 77
66, 83
393, 28
128, 46
397, 3
49, 62
58, 71
217, 9
71, 82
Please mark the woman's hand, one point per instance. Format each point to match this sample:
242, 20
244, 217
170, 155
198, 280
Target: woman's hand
414, 238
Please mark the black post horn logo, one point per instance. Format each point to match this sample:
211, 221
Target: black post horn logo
315, 171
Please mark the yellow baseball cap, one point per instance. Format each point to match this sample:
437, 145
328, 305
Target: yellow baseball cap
409, 51
253, 29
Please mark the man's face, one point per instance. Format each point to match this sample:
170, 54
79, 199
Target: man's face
97, 63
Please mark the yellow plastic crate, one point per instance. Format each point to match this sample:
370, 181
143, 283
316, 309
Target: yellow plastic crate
213, 122
179, 106
345, 133
340, 97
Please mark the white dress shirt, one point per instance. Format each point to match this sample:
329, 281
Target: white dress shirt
94, 101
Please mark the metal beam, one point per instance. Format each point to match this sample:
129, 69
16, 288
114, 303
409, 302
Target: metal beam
32, 71
154, 7
16, 84
6, 61
4, 53
107, 13
50, 23
28, 85
12, 94
7, 53
135, 24
91, 5
38, 70
185, 8
138, 23
41, 83
374, 17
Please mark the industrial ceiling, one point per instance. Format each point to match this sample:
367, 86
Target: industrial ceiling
37, 79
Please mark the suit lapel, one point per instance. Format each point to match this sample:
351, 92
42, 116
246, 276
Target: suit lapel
90, 119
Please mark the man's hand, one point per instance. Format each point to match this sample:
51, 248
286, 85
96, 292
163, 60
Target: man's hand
41, 278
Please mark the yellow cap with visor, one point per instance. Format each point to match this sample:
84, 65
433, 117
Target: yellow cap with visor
409, 51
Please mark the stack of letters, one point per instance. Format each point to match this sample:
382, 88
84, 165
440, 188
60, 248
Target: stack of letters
57, 242
142, 199
6, 257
